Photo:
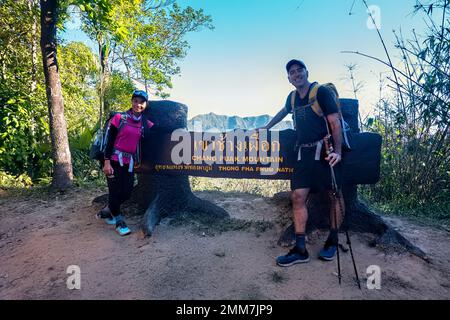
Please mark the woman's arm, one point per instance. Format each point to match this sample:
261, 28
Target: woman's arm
113, 132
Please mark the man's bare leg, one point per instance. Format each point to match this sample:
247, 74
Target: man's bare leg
300, 211
298, 254
300, 216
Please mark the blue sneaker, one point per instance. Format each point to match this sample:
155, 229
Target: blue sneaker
122, 229
294, 256
108, 219
112, 221
328, 252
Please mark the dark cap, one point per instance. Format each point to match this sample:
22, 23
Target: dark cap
293, 62
140, 93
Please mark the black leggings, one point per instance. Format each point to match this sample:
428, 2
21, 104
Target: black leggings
120, 187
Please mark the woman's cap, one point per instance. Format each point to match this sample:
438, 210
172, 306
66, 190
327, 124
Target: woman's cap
140, 93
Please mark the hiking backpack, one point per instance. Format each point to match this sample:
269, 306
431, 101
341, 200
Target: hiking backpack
315, 106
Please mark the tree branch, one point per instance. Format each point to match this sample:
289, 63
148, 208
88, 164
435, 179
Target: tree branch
403, 74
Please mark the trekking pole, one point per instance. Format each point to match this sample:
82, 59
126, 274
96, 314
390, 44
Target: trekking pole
329, 150
337, 249
349, 243
337, 197
353, 259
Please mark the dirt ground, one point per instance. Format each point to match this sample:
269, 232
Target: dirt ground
40, 237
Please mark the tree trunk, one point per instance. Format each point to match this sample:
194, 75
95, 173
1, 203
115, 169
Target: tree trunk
62, 166
32, 6
169, 196
103, 54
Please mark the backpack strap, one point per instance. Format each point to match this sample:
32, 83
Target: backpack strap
294, 118
312, 100
293, 93
315, 106
144, 124
123, 120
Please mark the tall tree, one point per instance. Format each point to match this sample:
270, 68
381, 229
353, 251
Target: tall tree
62, 165
32, 5
141, 39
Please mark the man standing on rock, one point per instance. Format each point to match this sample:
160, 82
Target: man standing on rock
312, 171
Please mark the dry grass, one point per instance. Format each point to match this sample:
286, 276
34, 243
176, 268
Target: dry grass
265, 188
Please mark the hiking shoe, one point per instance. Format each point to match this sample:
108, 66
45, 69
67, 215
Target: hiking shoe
112, 221
328, 252
105, 213
294, 256
109, 219
122, 229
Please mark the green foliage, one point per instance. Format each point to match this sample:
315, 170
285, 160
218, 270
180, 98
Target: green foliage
118, 92
131, 35
157, 43
23, 126
416, 148
79, 75
145, 43
20, 149
99, 12
85, 170
8, 181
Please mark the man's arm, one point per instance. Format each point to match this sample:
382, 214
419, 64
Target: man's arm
330, 108
336, 131
279, 116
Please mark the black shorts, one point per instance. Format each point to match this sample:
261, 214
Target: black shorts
314, 174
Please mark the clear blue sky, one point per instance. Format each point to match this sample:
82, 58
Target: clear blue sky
238, 68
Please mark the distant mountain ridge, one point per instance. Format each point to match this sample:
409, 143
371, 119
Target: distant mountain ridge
212, 122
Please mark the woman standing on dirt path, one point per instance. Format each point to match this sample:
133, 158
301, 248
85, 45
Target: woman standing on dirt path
125, 131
